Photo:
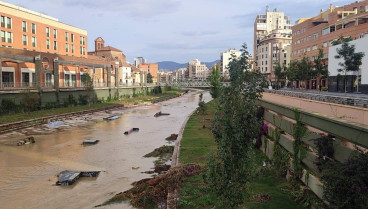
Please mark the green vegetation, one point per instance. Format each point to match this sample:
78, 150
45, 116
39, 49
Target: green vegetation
149, 78
196, 147
215, 82
10, 112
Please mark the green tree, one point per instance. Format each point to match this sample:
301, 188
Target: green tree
234, 128
88, 85
351, 60
291, 71
304, 71
280, 73
341, 40
320, 66
149, 78
215, 82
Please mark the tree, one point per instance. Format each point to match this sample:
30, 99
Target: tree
304, 71
291, 71
351, 59
341, 40
215, 82
149, 78
88, 85
320, 66
235, 126
280, 73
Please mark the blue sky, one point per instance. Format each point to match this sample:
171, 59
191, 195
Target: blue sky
171, 30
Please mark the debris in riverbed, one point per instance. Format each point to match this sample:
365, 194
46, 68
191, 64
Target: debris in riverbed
112, 117
90, 141
172, 137
151, 192
54, 124
66, 177
131, 130
29, 140
159, 169
158, 114
135, 167
158, 152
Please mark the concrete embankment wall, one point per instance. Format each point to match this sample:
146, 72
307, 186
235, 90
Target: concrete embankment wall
53, 96
281, 118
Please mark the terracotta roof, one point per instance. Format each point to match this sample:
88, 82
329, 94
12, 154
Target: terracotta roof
109, 48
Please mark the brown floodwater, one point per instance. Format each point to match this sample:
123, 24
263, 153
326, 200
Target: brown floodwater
28, 173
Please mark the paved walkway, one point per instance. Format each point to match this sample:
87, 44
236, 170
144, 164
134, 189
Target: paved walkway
351, 99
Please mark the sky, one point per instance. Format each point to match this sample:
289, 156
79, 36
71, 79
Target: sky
171, 30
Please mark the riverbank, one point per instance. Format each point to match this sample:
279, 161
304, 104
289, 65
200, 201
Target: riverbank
265, 191
38, 122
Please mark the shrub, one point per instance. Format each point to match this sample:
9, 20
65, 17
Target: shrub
51, 105
324, 88
30, 101
7, 106
72, 100
346, 184
83, 100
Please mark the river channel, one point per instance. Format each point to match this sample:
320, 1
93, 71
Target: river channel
28, 173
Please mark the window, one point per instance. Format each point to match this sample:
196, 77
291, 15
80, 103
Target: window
72, 48
47, 32
325, 31
82, 50
72, 37
298, 32
8, 22
314, 47
66, 36
308, 49
24, 26
55, 45
55, 33
361, 35
34, 41
25, 40
10, 37
324, 45
47, 44
3, 21
315, 35
309, 38
33, 28
66, 47
2, 36
325, 56
82, 40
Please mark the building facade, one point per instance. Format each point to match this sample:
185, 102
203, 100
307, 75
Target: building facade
29, 30
225, 59
139, 60
197, 70
356, 81
151, 68
311, 34
266, 23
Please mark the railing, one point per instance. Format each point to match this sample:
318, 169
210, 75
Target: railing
345, 100
282, 119
17, 85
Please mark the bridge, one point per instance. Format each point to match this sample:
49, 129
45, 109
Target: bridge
187, 84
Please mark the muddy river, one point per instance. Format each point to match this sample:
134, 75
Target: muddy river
28, 173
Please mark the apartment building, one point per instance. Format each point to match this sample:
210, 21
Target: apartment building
197, 70
22, 28
139, 60
311, 34
266, 23
225, 59
151, 68
272, 51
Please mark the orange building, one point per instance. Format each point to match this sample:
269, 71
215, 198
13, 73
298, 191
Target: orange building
310, 34
151, 68
25, 29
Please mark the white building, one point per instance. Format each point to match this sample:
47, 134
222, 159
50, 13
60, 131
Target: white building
225, 59
127, 75
197, 70
335, 82
139, 60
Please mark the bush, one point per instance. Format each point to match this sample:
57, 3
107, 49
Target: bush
51, 105
8, 106
72, 100
324, 88
157, 90
31, 101
346, 184
83, 100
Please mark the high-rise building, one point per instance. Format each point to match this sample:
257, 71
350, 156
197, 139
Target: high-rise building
197, 70
139, 60
311, 34
272, 35
266, 23
225, 59
26, 29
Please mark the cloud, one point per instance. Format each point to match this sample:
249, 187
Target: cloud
143, 9
199, 33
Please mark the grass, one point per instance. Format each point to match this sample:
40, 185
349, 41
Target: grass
11, 118
197, 145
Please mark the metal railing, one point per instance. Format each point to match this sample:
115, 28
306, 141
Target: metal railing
17, 85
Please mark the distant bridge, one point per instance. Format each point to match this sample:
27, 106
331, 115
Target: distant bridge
198, 84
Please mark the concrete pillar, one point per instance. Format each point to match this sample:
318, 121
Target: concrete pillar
1, 74
116, 74
38, 65
108, 68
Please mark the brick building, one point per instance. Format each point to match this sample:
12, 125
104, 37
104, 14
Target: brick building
151, 68
310, 34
